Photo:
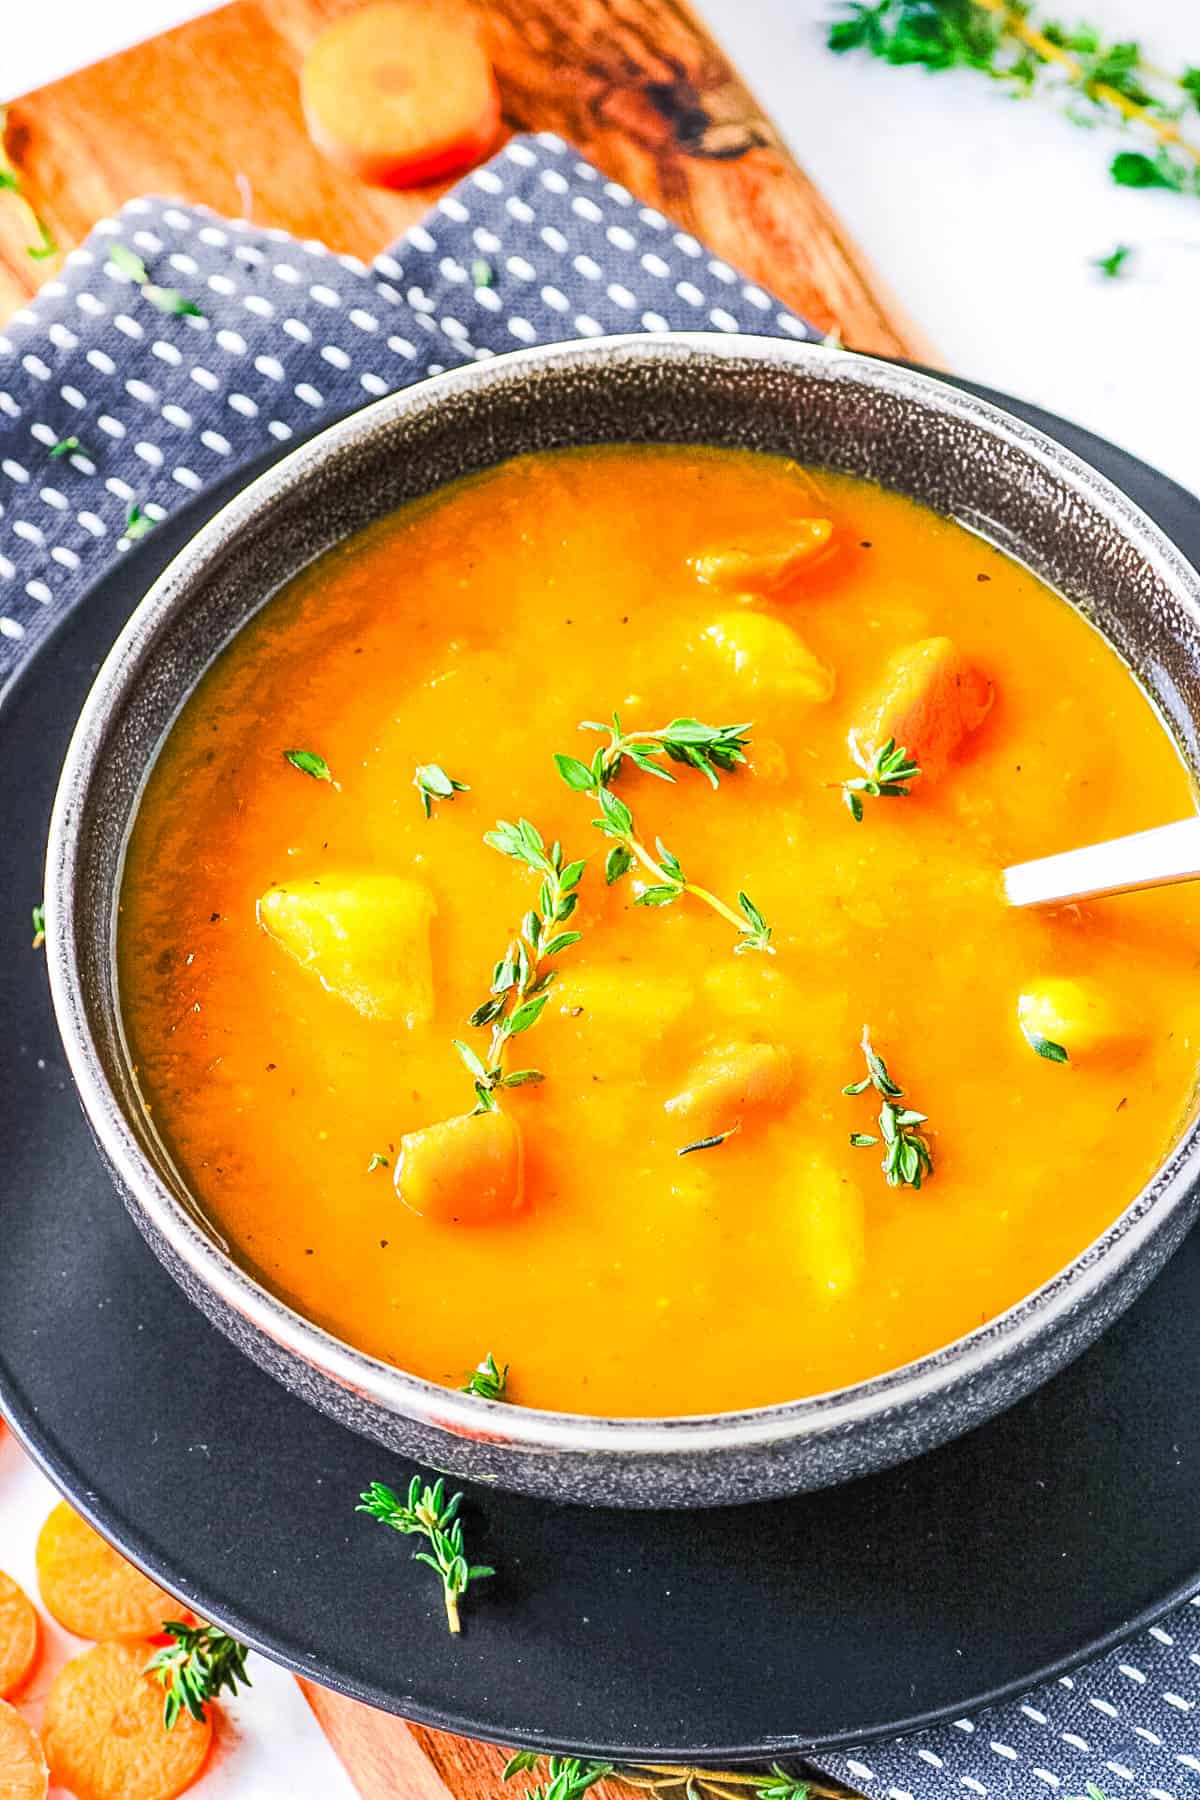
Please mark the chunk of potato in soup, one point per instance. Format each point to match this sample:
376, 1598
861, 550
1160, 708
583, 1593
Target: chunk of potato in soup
297, 955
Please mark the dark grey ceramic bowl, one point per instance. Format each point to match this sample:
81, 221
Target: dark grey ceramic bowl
823, 406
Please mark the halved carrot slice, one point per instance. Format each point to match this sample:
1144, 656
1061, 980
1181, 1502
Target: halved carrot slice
90, 1588
20, 1637
467, 1170
932, 699
402, 93
105, 1738
765, 561
23, 1772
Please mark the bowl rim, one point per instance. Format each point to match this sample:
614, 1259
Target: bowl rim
1036, 1314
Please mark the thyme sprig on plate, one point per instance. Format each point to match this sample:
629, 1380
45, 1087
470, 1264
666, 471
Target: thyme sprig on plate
433, 783
1008, 43
194, 1669
568, 1778
706, 747
885, 776
521, 979
165, 299
907, 1159
486, 1380
427, 1513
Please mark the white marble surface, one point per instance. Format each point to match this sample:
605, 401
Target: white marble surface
983, 215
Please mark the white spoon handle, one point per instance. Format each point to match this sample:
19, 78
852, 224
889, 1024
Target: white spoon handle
1148, 859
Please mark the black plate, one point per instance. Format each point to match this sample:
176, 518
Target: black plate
892, 1602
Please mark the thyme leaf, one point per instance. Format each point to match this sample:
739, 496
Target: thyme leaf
309, 763
39, 926
433, 783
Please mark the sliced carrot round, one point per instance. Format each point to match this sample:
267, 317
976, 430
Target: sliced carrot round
20, 1636
105, 1737
401, 93
90, 1588
23, 1772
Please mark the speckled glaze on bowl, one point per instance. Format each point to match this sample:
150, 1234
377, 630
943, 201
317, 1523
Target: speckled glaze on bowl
954, 452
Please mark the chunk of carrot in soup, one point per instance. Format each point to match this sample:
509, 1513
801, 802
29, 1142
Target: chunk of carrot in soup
731, 1082
933, 698
766, 561
467, 1170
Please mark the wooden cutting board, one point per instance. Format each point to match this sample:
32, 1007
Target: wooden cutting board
211, 112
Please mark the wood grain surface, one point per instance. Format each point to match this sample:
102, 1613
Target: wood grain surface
210, 112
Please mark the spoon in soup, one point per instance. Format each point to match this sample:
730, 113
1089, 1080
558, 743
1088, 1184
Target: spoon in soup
1146, 859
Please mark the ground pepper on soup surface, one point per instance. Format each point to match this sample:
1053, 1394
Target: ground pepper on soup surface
311, 915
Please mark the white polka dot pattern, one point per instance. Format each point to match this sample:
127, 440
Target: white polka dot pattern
291, 336
1130, 1724
535, 247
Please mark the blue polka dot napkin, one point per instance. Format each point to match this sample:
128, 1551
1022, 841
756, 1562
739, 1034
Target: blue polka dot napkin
113, 409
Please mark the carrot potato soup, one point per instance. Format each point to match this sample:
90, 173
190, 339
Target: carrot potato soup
565, 927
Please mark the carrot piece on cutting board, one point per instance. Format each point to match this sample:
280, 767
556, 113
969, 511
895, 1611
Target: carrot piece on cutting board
105, 1737
20, 1637
401, 93
90, 1588
23, 1772
932, 699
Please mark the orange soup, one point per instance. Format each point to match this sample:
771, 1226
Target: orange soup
864, 713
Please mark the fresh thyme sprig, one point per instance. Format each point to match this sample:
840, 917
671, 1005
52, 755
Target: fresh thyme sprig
378, 1161
194, 1669
1004, 40
520, 979
885, 776
39, 926
707, 748
165, 299
427, 1513
907, 1157
487, 1380
433, 783
568, 1778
